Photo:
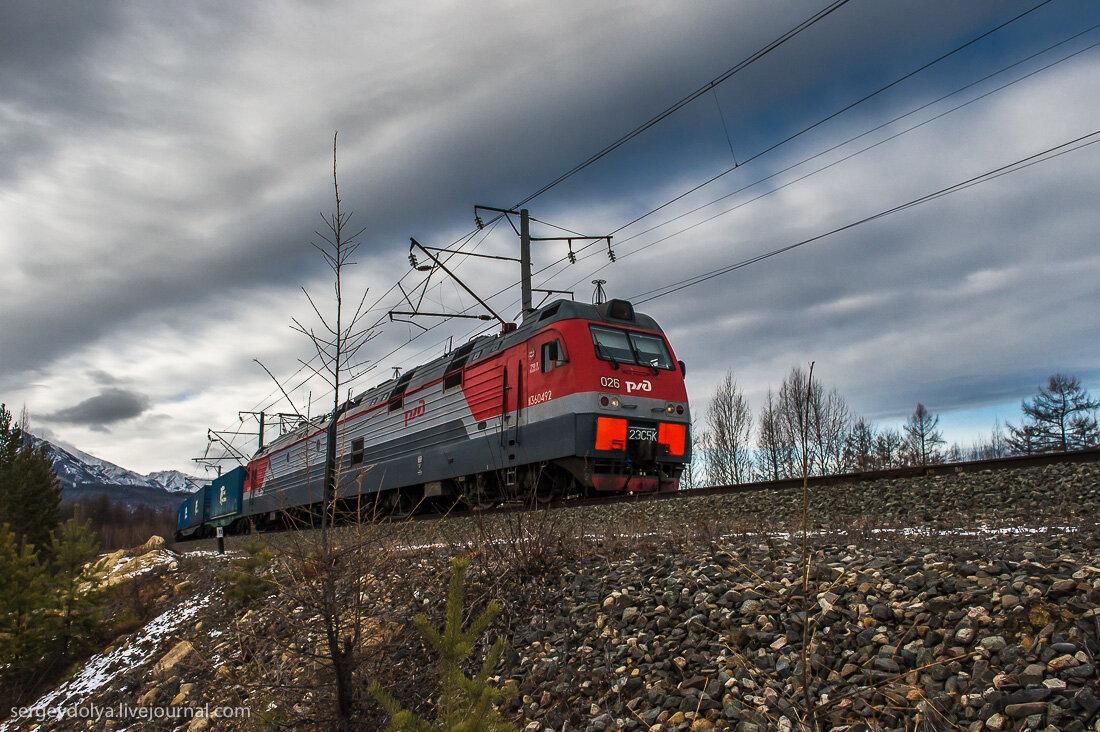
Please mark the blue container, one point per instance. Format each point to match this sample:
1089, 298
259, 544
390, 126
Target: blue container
223, 499
192, 512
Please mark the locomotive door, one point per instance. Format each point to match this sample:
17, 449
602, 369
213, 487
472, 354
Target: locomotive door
515, 397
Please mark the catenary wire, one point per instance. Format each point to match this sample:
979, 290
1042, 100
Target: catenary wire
816, 171
1015, 166
834, 115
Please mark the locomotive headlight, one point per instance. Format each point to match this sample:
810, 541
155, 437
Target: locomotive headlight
609, 401
670, 408
614, 402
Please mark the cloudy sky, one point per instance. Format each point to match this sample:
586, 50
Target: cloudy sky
163, 166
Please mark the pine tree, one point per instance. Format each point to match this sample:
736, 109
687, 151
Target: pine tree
1060, 417
924, 438
889, 449
30, 494
11, 439
1027, 439
465, 704
24, 622
75, 579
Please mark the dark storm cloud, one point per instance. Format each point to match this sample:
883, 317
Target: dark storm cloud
164, 166
47, 79
458, 143
109, 406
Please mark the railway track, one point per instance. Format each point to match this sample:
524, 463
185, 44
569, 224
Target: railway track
938, 469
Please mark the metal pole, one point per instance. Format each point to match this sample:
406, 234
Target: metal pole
261, 447
525, 260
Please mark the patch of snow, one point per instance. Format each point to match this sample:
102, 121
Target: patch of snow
229, 553
101, 669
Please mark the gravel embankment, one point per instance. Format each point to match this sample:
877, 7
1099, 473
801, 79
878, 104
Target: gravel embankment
999, 634
952, 602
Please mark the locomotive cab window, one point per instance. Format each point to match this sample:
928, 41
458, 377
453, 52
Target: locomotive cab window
629, 347
651, 351
553, 356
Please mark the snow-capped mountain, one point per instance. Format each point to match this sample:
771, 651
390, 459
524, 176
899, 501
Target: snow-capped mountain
78, 469
174, 481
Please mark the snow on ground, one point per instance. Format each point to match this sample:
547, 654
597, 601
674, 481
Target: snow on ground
103, 668
229, 553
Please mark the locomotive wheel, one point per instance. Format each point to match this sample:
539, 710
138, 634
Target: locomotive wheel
481, 494
401, 505
551, 484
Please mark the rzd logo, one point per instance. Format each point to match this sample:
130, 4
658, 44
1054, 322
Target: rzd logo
633, 386
417, 411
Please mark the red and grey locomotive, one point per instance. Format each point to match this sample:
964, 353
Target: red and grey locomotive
577, 399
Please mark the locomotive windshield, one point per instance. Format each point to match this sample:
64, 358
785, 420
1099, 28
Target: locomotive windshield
622, 346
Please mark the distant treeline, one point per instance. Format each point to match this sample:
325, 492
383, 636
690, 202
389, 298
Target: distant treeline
117, 525
805, 426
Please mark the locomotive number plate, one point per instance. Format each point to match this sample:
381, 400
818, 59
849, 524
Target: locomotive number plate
641, 433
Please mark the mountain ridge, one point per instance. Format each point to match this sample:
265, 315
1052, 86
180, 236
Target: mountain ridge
82, 474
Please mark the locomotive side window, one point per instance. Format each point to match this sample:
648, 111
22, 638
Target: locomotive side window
620, 346
552, 356
357, 451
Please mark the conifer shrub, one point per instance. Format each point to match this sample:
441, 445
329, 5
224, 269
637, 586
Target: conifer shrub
76, 579
24, 621
465, 704
245, 583
50, 612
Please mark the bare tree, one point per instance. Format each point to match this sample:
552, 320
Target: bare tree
694, 474
832, 421
729, 428
923, 436
859, 447
796, 400
803, 406
774, 452
890, 449
995, 446
336, 342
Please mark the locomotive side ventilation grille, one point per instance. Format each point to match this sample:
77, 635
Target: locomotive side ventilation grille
455, 367
397, 399
550, 312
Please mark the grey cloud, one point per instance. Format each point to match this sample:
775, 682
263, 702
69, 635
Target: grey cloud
109, 406
103, 378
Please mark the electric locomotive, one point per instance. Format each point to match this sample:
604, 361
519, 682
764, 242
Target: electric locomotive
577, 399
